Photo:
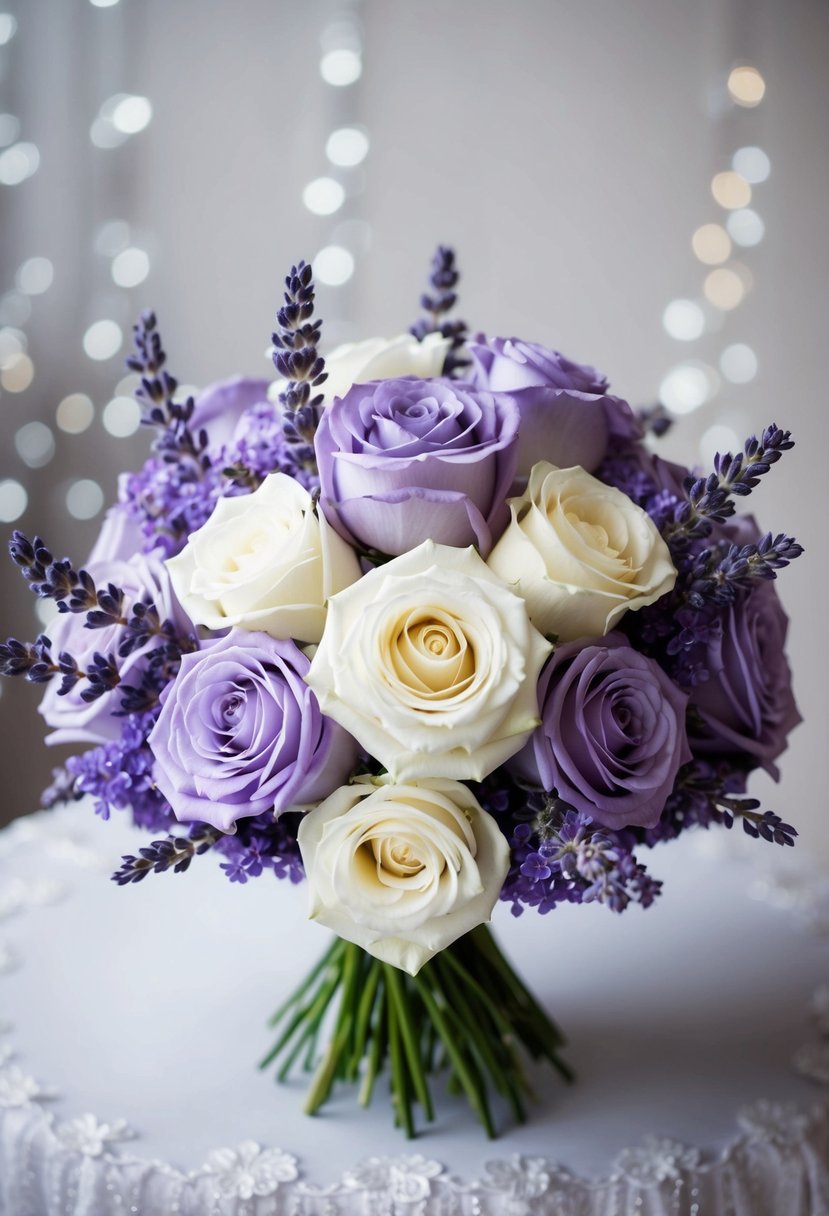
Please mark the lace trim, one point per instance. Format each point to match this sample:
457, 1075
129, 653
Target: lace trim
777, 1162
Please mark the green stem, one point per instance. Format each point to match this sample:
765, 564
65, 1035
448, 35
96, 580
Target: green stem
472, 1085
397, 998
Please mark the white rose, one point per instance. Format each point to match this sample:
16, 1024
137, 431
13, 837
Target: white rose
432, 664
580, 553
402, 870
378, 359
264, 561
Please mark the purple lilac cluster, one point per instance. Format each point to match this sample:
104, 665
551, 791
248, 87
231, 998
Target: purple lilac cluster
645, 731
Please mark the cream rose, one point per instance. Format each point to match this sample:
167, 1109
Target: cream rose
580, 553
264, 561
402, 870
378, 359
432, 664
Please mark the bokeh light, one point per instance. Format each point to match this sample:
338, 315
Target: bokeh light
746, 86
130, 267
684, 320
8, 27
84, 499
75, 413
745, 227
323, 196
35, 276
711, 244
13, 500
35, 444
17, 163
112, 238
17, 373
730, 190
724, 288
688, 386
121, 417
347, 146
752, 163
333, 266
738, 363
341, 66
103, 340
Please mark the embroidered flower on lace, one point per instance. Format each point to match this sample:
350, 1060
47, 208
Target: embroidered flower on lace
778, 1123
521, 1177
404, 1179
820, 1008
249, 1171
656, 1161
812, 1061
87, 1136
17, 1088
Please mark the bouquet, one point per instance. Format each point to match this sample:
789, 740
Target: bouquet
426, 624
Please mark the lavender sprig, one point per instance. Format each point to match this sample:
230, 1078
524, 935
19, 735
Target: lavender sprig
710, 499
178, 486
710, 794
443, 279
296, 358
34, 661
720, 573
656, 419
174, 853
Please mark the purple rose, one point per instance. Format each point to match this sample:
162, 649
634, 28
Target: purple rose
407, 460
240, 733
612, 734
747, 704
220, 406
567, 416
72, 719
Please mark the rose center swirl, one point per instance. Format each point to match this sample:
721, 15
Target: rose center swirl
397, 856
430, 654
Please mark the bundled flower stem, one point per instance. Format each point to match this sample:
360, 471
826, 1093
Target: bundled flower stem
465, 1011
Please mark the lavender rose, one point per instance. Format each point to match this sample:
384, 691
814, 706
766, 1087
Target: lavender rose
407, 460
612, 734
240, 733
72, 719
747, 705
567, 415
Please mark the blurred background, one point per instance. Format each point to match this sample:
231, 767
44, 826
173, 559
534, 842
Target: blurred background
641, 185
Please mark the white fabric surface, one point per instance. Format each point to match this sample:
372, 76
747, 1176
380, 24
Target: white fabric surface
147, 1006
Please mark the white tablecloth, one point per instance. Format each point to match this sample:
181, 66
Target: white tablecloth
147, 1006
